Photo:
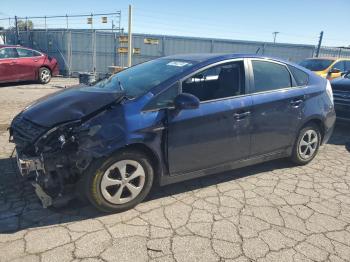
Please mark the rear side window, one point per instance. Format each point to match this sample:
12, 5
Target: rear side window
8, 53
24, 52
270, 76
301, 78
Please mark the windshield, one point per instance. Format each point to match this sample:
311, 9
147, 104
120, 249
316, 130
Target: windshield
316, 64
140, 79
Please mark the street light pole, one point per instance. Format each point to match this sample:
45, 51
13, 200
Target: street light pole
130, 37
319, 44
17, 33
274, 36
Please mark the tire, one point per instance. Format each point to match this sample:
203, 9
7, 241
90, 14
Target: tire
106, 188
44, 75
307, 144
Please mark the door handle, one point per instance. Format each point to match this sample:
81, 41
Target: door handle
296, 102
239, 116
13, 62
35, 60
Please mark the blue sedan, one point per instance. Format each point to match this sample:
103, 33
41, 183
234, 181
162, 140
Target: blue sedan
168, 120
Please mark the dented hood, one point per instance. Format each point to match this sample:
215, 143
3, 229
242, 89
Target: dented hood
70, 104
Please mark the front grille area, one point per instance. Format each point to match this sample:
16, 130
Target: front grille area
342, 96
24, 133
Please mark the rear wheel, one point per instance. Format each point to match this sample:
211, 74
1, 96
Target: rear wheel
44, 75
307, 145
120, 182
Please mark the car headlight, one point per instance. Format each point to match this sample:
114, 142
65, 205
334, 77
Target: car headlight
57, 137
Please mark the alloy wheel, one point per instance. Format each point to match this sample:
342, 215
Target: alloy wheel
308, 144
45, 75
123, 181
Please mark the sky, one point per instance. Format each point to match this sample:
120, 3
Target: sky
297, 21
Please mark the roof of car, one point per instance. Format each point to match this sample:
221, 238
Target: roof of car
9, 46
201, 57
328, 58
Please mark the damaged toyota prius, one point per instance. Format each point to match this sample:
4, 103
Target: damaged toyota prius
169, 120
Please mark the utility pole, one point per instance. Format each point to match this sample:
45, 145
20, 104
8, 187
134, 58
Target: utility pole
17, 33
319, 44
129, 37
274, 36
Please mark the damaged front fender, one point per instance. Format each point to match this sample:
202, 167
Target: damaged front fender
102, 134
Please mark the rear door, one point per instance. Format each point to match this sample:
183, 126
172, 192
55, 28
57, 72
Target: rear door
218, 132
28, 63
277, 107
8, 62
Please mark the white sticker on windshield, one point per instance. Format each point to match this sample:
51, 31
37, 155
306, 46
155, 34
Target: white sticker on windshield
177, 63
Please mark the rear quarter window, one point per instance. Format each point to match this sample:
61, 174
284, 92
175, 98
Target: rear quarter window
36, 53
301, 78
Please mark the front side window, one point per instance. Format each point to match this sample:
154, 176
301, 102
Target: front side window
316, 64
24, 52
270, 76
165, 99
347, 66
8, 53
226, 80
339, 65
138, 80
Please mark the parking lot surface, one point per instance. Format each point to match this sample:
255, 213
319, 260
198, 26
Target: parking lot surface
270, 212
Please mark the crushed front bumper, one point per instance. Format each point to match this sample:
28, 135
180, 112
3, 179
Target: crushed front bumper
26, 165
32, 168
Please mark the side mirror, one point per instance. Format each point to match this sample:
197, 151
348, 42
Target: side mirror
186, 101
344, 73
334, 71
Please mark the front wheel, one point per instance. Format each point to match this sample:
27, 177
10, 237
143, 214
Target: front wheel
307, 145
120, 182
44, 75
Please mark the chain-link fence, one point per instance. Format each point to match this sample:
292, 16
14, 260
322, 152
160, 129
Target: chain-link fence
86, 50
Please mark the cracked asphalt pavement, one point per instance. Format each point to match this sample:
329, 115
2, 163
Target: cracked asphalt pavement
269, 212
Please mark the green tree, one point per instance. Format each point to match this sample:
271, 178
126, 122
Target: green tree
22, 25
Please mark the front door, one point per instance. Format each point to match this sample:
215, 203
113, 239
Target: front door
216, 133
277, 108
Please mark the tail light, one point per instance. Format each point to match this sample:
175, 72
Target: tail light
329, 91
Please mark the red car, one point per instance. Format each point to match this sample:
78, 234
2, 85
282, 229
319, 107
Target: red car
19, 63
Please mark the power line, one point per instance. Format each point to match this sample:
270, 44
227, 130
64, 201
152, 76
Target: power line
64, 16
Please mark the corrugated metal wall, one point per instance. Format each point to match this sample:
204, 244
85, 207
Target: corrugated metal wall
82, 50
